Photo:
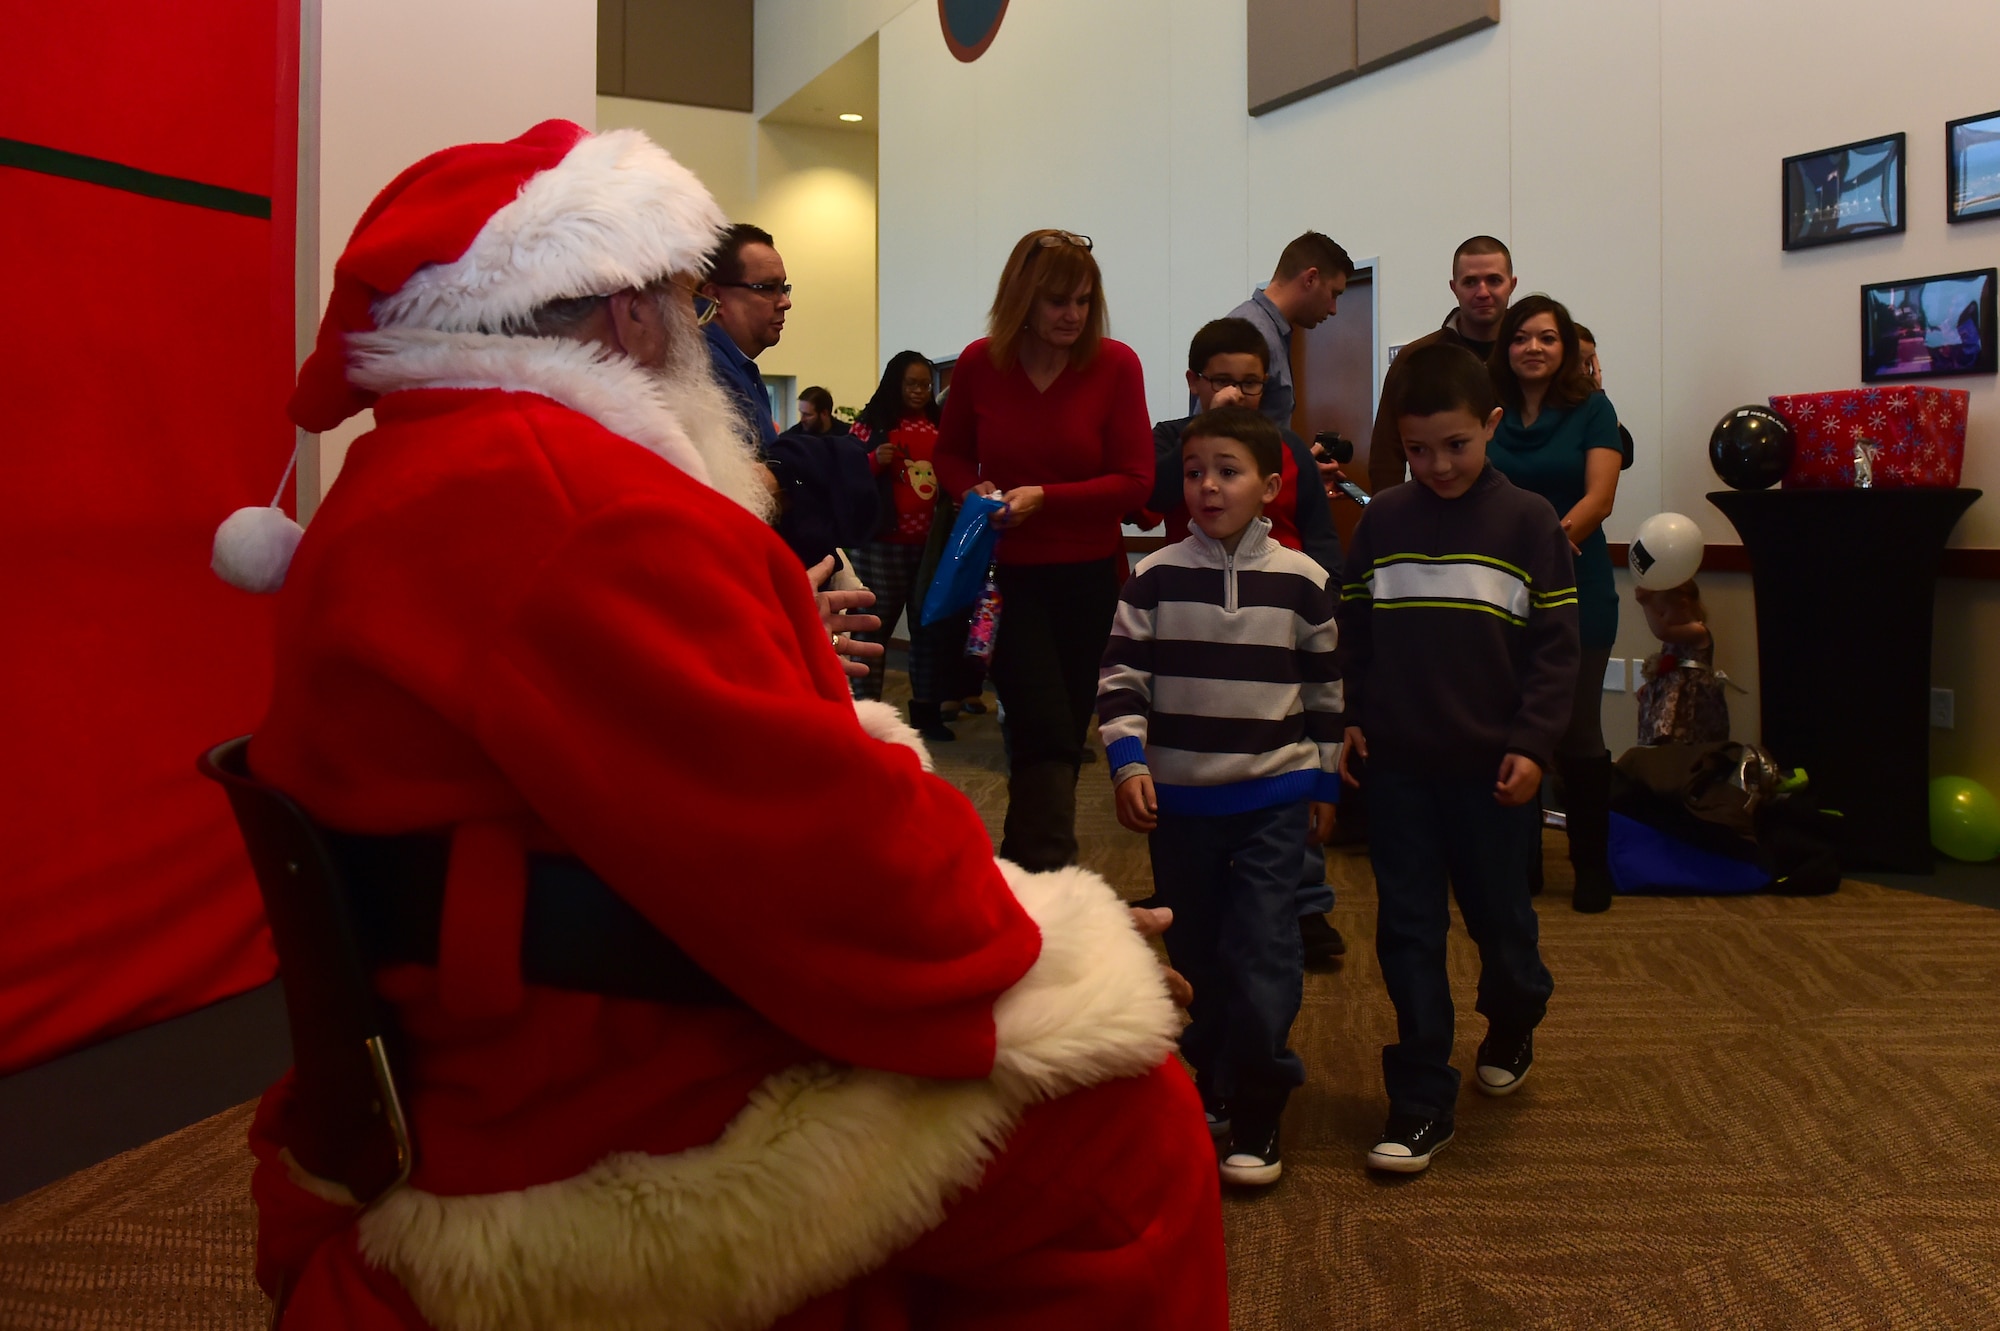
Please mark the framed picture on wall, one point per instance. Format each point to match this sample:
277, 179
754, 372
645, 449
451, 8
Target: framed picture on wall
1972, 167
1844, 193
1929, 326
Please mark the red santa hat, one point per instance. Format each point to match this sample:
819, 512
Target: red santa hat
474, 238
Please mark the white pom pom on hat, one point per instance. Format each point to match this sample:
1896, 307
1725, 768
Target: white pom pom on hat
254, 546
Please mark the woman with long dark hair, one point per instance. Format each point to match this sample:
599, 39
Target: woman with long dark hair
1049, 415
1558, 437
899, 428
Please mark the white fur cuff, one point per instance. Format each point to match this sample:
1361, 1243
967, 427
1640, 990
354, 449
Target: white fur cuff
885, 723
1094, 1006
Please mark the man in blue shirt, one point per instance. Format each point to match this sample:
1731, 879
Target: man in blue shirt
826, 497
1312, 272
1302, 293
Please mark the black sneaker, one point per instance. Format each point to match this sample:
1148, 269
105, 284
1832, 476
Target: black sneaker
1321, 940
1218, 1123
938, 733
1408, 1143
1252, 1159
1503, 1062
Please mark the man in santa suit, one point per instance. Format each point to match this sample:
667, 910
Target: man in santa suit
542, 613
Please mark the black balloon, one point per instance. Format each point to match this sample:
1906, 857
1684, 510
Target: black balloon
1751, 448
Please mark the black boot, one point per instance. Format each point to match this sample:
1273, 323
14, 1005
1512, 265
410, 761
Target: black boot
1587, 795
929, 722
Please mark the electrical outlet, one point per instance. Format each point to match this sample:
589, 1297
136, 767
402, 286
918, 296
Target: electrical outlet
1943, 709
1614, 675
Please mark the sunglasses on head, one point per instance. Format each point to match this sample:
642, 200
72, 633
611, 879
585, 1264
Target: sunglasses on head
1055, 238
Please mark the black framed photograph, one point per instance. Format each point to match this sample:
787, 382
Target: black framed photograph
1845, 193
1929, 326
1972, 167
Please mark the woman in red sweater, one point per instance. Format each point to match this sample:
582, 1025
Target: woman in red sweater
1049, 415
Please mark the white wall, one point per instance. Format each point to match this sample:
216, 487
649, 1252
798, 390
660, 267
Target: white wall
814, 191
398, 81
1628, 152
796, 39
1105, 119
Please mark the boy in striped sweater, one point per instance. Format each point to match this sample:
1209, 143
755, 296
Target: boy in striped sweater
1459, 646
1220, 707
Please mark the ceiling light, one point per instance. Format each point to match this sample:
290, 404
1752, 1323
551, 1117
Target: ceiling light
850, 117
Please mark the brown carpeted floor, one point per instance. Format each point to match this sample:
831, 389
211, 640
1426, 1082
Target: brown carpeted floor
1751, 1113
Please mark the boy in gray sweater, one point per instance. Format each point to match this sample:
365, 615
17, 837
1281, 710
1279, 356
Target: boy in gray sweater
1220, 707
1459, 645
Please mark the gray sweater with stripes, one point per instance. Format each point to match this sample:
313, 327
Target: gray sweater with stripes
1219, 677
1458, 631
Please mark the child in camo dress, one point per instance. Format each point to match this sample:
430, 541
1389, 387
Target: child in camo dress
1681, 701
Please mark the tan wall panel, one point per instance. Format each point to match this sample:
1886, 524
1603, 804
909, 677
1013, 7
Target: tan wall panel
1390, 30
694, 52
610, 47
1297, 48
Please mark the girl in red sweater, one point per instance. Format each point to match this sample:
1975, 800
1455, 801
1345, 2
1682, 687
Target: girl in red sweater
1049, 415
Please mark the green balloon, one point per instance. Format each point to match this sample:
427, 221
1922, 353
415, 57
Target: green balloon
1965, 819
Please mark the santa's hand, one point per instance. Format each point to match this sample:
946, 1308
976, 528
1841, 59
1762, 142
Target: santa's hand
837, 615
1151, 922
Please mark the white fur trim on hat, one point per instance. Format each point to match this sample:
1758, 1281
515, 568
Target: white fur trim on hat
617, 212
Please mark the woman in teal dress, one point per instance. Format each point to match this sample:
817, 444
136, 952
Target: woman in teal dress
1558, 437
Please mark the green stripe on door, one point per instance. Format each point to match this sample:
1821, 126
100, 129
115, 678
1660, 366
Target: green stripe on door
116, 175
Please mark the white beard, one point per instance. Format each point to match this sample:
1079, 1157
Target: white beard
678, 411
709, 418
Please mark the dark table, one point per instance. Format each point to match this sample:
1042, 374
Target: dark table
1844, 582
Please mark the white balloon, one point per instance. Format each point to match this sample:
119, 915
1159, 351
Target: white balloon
1666, 551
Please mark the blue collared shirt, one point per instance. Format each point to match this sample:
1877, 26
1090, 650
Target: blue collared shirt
739, 375
1277, 331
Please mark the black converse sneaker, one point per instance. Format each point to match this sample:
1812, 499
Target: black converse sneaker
1253, 1158
1218, 1122
1408, 1143
1503, 1062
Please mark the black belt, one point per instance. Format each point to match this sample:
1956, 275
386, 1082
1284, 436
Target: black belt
576, 934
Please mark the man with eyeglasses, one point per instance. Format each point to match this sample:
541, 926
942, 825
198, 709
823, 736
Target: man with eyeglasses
825, 494
1303, 292
1229, 364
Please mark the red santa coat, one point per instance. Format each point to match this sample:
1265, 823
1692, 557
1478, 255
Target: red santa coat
519, 618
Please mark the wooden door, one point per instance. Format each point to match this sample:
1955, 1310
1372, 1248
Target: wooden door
1333, 374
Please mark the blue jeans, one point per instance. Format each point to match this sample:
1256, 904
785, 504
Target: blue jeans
1232, 882
1315, 892
1430, 836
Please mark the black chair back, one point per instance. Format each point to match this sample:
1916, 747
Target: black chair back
347, 1123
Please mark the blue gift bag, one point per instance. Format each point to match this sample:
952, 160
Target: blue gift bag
961, 570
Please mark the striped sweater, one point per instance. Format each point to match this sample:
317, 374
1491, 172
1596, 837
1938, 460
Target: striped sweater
1458, 635
1219, 678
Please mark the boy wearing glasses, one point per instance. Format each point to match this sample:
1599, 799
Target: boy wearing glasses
1227, 364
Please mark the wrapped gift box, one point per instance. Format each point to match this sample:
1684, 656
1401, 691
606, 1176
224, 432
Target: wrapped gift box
1919, 433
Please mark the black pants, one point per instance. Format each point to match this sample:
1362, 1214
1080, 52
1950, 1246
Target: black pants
1430, 838
1054, 620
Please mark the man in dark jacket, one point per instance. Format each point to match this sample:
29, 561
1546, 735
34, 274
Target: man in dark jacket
1482, 279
